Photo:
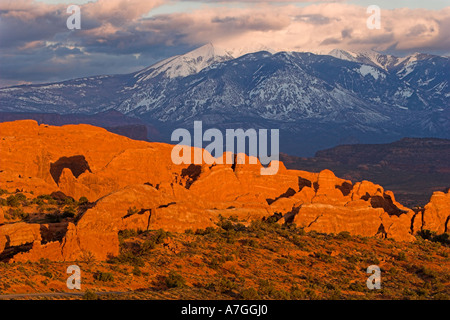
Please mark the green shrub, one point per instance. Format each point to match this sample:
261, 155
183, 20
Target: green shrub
266, 288
250, 294
297, 293
344, 235
126, 234
90, 295
137, 271
132, 211
401, 256
16, 213
69, 201
432, 236
203, 232
69, 212
147, 247
175, 280
87, 257
104, 276
83, 200
160, 236
12, 201
127, 257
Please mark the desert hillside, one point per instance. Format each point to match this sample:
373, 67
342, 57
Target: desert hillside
80, 193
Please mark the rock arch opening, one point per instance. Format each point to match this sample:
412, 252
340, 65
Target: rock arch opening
76, 164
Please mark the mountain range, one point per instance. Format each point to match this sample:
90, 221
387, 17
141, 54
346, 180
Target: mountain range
317, 101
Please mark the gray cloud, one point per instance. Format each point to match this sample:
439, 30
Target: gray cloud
36, 46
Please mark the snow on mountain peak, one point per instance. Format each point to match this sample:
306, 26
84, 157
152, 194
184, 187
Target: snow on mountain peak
187, 64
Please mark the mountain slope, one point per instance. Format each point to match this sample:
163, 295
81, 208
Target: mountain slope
317, 101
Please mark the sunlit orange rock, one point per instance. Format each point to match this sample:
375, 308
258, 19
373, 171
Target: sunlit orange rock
436, 214
135, 185
17, 234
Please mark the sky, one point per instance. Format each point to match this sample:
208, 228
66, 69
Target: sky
122, 36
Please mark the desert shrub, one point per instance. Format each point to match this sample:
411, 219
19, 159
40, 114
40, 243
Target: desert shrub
13, 201
226, 285
69, 212
175, 280
323, 257
90, 295
250, 294
280, 295
127, 257
38, 201
16, 213
274, 218
48, 274
266, 288
225, 224
343, 235
126, 234
401, 256
441, 296
281, 261
250, 242
137, 271
132, 211
160, 236
87, 257
147, 247
69, 201
83, 200
3, 191
356, 286
425, 272
432, 236
353, 259
203, 232
214, 263
104, 276
45, 197
296, 293
442, 238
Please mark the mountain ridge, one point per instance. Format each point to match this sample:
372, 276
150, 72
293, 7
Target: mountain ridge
323, 99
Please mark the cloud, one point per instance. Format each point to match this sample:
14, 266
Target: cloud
37, 46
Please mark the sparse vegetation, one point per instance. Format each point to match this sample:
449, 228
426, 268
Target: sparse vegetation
104, 276
257, 260
175, 280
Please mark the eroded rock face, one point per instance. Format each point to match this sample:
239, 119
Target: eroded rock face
436, 214
135, 185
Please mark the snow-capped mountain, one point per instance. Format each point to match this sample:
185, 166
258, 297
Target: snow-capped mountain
187, 64
316, 100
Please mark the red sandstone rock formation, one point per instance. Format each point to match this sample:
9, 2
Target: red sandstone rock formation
121, 174
436, 214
